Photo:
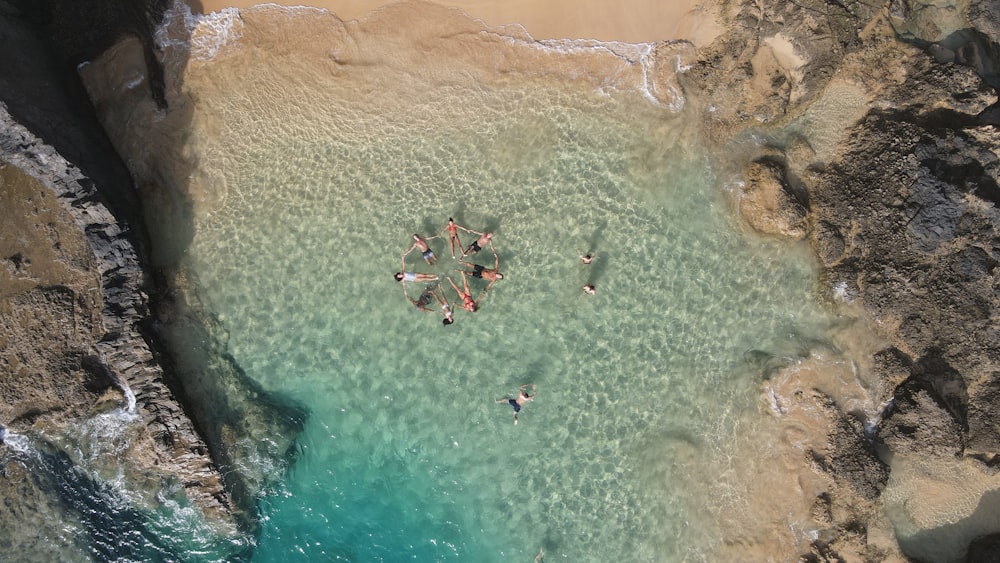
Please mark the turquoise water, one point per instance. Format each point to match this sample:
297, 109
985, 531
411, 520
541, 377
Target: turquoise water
406, 455
316, 149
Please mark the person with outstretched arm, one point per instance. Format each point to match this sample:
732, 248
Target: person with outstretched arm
452, 227
425, 250
482, 272
482, 241
522, 397
468, 303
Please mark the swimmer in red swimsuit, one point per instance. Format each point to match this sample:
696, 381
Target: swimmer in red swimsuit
468, 303
452, 227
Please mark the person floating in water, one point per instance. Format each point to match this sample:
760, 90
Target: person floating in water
482, 272
425, 250
414, 277
446, 312
589, 289
587, 258
422, 302
468, 303
452, 227
522, 397
482, 241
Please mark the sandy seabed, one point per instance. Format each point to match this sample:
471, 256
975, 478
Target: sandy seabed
636, 21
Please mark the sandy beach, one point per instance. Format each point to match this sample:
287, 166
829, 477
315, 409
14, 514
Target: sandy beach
638, 21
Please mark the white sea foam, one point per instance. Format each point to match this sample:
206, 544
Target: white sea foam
129, 398
203, 35
18, 442
643, 54
135, 81
841, 293
119, 382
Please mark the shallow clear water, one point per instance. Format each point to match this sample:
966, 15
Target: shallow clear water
314, 167
406, 454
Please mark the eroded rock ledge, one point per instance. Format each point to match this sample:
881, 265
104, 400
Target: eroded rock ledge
71, 303
902, 210
168, 447
106, 328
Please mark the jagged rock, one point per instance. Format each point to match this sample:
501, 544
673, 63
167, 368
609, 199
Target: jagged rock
917, 423
55, 328
780, 60
858, 478
984, 416
893, 365
849, 457
767, 202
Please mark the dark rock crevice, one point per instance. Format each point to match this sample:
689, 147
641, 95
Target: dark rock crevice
46, 41
42, 91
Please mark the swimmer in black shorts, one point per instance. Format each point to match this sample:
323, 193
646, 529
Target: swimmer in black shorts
480, 243
422, 302
482, 272
522, 398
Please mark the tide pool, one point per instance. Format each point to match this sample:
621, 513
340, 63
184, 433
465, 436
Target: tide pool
311, 178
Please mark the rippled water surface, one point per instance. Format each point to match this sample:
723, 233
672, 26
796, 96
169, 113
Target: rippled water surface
313, 171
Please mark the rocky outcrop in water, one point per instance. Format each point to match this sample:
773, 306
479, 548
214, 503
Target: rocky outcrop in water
79, 346
107, 315
73, 347
71, 306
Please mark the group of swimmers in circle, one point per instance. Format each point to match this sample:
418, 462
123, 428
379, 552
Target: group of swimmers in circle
433, 292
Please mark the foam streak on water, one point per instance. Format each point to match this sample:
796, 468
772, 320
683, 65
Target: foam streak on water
317, 148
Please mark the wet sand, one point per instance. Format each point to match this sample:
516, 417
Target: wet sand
640, 21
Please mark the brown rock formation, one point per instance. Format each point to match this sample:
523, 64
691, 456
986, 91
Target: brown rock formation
768, 203
72, 305
902, 215
107, 355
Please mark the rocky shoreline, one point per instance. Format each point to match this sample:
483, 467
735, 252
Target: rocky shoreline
113, 356
895, 187
82, 310
903, 218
